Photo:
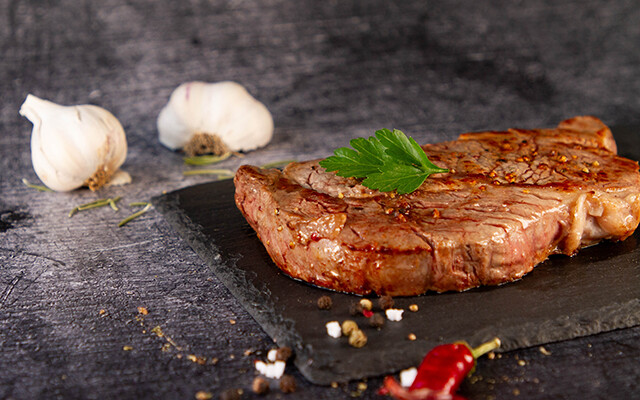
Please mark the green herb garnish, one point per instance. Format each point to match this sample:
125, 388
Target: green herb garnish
222, 173
36, 187
276, 164
206, 159
389, 161
111, 202
135, 215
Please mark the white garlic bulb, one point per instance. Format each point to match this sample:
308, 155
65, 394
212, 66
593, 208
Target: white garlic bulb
223, 109
74, 146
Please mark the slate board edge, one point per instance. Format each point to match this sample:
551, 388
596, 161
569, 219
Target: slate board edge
256, 302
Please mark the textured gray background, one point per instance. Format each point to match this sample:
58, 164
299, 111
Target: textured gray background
328, 71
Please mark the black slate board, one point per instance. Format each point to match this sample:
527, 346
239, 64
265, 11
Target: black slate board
563, 298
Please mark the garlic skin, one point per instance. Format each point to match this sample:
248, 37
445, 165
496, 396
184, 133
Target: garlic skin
224, 109
73, 146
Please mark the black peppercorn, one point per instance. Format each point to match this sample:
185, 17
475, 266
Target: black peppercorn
283, 353
260, 385
355, 309
231, 394
287, 384
376, 321
385, 302
325, 303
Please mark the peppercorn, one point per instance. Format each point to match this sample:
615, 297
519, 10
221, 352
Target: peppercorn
283, 353
325, 303
376, 321
287, 384
357, 338
355, 309
366, 304
385, 302
348, 327
231, 394
260, 385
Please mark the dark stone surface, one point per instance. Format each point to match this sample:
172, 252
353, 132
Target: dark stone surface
328, 71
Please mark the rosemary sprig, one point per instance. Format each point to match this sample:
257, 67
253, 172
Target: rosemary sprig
206, 159
135, 215
276, 164
40, 188
111, 202
220, 172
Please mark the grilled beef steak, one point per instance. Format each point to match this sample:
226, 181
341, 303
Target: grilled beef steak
509, 201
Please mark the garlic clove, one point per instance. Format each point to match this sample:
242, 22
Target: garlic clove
224, 109
72, 146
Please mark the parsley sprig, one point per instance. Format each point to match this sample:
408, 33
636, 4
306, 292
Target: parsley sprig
387, 161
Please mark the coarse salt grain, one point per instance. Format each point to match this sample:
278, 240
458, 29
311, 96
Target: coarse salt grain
394, 314
271, 370
407, 376
271, 355
333, 329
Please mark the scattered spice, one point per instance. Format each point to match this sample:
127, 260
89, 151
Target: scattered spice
197, 359
355, 309
231, 394
544, 351
333, 329
376, 321
102, 311
260, 385
232, 321
348, 327
127, 348
287, 384
202, 395
367, 313
407, 376
413, 308
362, 386
366, 304
357, 338
394, 314
334, 385
325, 303
522, 363
283, 353
412, 336
385, 302
143, 310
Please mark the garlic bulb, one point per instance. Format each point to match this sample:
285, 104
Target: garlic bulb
224, 110
74, 146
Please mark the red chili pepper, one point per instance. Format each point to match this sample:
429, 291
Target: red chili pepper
441, 372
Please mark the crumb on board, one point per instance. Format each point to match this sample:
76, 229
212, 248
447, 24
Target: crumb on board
413, 308
143, 310
127, 348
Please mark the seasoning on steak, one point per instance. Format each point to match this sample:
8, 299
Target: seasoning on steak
509, 201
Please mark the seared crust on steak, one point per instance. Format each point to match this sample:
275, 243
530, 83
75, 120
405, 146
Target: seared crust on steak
509, 201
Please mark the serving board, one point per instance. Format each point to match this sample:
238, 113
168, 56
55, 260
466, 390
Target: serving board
565, 297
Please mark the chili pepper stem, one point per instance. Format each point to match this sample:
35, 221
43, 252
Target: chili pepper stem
484, 348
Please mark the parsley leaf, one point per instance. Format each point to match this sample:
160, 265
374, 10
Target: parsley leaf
387, 161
